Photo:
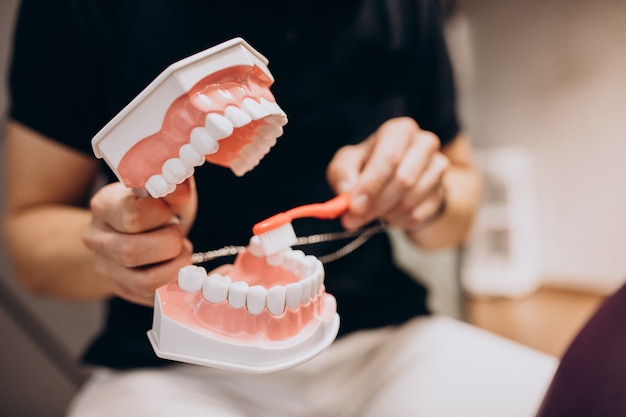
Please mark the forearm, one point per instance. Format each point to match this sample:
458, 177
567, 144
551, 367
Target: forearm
45, 247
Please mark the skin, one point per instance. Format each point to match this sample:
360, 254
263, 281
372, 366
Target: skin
124, 245
400, 175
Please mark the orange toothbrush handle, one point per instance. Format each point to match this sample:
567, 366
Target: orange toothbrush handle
331, 209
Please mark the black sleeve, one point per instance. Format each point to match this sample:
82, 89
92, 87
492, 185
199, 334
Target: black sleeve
57, 71
434, 98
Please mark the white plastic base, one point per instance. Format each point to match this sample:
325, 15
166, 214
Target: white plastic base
175, 341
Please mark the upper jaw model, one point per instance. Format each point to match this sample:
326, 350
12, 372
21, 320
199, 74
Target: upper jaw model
271, 312
215, 105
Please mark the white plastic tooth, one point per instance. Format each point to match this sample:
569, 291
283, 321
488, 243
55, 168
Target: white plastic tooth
256, 299
293, 295
263, 143
240, 166
203, 142
203, 102
237, 116
317, 279
191, 277
275, 259
248, 152
255, 248
215, 288
254, 109
254, 162
276, 300
277, 121
306, 266
269, 131
249, 157
306, 290
174, 171
250, 160
319, 268
293, 259
157, 186
225, 93
273, 108
218, 126
237, 294
329, 309
242, 90
258, 152
189, 156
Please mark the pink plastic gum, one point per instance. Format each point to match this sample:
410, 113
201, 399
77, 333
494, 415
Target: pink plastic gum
193, 325
215, 106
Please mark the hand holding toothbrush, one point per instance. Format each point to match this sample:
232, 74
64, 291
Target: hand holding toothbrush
395, 175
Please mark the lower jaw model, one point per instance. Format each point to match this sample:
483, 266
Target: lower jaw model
271, 312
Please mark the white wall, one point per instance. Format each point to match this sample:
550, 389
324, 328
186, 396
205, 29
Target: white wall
551, 77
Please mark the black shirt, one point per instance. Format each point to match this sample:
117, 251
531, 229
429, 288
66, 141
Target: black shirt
341, 68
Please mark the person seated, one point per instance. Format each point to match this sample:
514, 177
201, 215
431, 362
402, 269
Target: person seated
367, 87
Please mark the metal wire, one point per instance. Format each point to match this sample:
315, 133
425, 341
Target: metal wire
360, 237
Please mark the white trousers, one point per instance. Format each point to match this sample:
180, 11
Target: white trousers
429, 367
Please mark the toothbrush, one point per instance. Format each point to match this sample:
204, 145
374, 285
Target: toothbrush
276, 233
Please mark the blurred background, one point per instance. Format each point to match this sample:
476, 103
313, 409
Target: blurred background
542, 91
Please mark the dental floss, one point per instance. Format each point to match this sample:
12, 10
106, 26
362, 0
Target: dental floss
361, 236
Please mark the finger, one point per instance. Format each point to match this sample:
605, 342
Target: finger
133, 250
425, 146
147, 297
139, 284
420, 214
389, 146
429, 182
126, 212
403, 191
344, 169
122, 280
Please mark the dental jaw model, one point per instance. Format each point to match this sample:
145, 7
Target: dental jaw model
269, 313
215, 106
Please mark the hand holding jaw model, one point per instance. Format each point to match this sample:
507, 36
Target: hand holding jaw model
269, 311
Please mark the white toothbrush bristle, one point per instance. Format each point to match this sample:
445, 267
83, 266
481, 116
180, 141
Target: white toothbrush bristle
277, 239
